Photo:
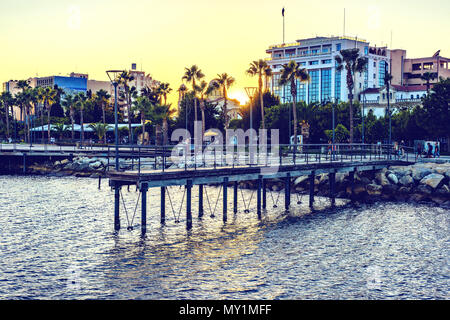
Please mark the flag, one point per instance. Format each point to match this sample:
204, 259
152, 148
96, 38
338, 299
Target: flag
282, 12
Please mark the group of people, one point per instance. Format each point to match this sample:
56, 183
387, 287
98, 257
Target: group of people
429, 151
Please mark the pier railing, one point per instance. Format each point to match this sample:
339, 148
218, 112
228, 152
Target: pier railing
200, 157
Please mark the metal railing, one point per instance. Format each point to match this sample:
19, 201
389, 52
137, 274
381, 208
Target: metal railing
189, 157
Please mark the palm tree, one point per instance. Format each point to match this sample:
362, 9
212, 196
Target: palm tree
204, 90
162, 113
181, 92
100, 130
124, 79
60, 129
191, 75
164, 89
102, 98
23, 85
7, 100
69, 104
47, 96
290, 73
428, 77
142, 105
260, 68
224, 82
353, 63
80, 100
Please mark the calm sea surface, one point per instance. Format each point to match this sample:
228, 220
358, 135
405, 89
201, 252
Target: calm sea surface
57, 242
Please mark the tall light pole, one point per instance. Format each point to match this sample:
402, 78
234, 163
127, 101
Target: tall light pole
250, 93
113, 76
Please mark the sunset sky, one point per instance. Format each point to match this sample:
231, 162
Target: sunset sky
52, 37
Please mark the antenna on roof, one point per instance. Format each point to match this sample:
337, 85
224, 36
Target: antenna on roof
344, 23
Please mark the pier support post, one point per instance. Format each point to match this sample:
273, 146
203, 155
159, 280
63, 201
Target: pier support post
24, 163
225, 199
188, 204
264, 193
200, 200
116, 208
144, 188
287, 191
258, 197
332, 178
235, 197
163, 205
351, 176
311, 189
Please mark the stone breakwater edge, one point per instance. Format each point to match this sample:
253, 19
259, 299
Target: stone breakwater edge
421, 182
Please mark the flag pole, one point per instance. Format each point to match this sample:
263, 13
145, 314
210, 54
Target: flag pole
282, 13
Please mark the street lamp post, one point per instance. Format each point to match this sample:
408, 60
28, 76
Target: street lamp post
250, 93
113, 75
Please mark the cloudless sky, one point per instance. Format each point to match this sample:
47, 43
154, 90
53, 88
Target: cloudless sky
51, 37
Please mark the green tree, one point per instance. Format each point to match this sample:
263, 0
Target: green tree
124, 80
100, 130
142, 105
353, 63
191, 75
69, 103
7, 100
290, 73
225, 82
204, 90
102, 98
260, 68
428, 77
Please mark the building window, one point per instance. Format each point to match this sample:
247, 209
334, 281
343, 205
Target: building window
326, 61
338, 47
313, 63
337, 85
366, 50
314, 86
416, 67
325, 85
381, 73
374, 64
428, 66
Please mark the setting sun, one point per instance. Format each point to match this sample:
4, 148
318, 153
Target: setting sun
239, 95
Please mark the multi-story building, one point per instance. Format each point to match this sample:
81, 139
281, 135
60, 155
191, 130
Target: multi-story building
409, 71
317, 56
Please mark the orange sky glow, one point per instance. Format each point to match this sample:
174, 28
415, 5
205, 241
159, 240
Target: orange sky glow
50, 37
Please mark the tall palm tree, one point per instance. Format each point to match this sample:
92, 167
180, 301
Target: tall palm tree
69, 104
260, 68
80, 101
102, 98
428, 77
60, 129
204, 90
164, 90
47, 96
224, 82
290, 73
7, 100
142, 105
124, 79
181, 93
162, 113
353, 63
22, 85
191, 75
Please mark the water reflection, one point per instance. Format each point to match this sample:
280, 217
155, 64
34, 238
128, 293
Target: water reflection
57, 242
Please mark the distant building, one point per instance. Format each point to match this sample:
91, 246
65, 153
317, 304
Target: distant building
317, 56
233, 106
408, 71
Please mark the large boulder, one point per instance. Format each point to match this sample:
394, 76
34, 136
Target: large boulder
419, 172
406, 180
380, 177
432, 180
374, 189
392, 178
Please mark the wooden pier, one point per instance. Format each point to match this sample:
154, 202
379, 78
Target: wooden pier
227, 176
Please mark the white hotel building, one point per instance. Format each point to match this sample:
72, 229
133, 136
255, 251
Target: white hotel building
317, 56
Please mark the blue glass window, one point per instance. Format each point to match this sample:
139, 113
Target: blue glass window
325, 85
338, 47
337, 85
381, 73
314, 86
313, 63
